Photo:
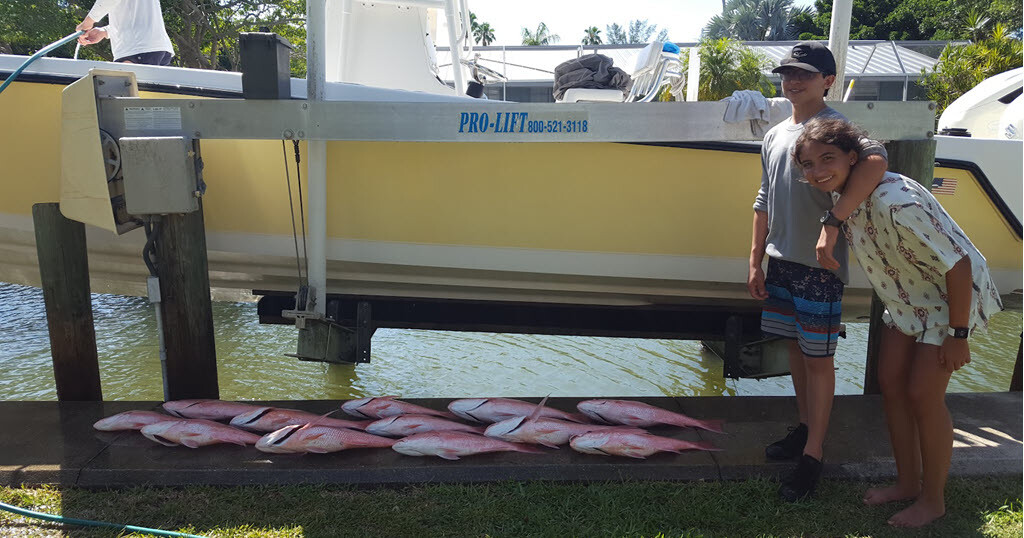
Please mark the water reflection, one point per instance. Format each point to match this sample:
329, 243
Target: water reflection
252, 363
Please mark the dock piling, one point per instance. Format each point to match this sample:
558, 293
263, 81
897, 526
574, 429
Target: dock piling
64, 277
186, 307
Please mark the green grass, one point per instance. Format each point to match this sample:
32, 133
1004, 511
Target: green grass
975, 507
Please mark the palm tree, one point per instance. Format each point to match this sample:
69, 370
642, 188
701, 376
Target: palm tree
756, 20
484, 34
974, 23
592, 36
726, 65
540, 37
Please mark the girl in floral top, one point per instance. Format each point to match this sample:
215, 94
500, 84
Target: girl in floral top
936, 289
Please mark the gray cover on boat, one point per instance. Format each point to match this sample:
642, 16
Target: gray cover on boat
590, 71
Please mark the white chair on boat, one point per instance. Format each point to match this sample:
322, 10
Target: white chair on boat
654, 69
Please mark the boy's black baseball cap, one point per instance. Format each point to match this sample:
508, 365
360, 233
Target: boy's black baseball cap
810, 56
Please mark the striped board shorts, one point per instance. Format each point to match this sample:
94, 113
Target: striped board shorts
804, 303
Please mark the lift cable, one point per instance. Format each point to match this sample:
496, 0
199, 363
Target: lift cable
302, 211
291, 207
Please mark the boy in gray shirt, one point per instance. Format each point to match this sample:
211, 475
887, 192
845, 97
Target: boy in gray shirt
798, 227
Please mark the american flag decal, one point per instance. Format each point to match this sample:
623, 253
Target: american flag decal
944, 185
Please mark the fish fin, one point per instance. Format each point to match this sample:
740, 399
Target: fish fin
447, 456
316, 450
538, 410
520, 447
635, 456
578, 417
317, 420
547, 444
191, 443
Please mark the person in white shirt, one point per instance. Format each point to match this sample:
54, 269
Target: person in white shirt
136, 31
936, 289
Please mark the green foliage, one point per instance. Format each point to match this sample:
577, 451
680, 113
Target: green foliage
27, 26
204, 32
482, 32
539, 37
726, 65
962, 67
592, 36
757, 20
915, 19
637, 31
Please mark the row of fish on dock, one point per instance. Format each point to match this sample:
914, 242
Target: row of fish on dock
605, 427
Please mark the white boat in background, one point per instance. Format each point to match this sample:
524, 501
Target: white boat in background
601, 223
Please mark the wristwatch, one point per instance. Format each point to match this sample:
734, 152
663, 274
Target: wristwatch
958, 332
828, 219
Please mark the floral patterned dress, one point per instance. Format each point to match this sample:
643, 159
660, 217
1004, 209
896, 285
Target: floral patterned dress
906, 243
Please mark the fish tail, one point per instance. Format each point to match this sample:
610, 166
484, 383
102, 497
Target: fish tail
711, 425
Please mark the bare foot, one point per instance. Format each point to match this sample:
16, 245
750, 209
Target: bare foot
890, 494
918, 514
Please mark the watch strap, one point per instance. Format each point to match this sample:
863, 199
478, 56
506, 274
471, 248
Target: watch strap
831, 220
958, 332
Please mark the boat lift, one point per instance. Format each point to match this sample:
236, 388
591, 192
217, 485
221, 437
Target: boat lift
160, 173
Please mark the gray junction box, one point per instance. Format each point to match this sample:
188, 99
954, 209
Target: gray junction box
159, 175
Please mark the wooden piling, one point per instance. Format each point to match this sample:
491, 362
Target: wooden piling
64, 276
916, 160
186, 308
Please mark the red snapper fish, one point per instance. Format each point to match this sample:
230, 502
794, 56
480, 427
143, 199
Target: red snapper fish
195, 433
498, 409
406, 425
550, 432
268, 419
208, 409
318, 439
452, 445
387, 406
131, 420
633, 445
640, 414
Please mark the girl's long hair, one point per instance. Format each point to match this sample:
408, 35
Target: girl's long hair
835, 132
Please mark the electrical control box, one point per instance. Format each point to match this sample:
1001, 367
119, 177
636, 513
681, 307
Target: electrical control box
160, 175
266, 65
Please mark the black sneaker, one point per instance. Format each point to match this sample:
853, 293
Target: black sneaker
802, 482
790, 446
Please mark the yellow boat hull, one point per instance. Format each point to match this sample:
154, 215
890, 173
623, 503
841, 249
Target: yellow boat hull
584, 223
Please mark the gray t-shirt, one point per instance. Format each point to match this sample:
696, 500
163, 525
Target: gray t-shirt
795, 208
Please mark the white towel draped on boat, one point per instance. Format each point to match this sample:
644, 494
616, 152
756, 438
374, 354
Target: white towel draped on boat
752, 106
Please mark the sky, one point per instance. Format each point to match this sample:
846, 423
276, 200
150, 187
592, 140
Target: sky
683, 19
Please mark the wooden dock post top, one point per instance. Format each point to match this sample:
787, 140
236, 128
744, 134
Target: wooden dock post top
64, 277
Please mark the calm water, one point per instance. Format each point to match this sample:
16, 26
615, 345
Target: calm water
418, 364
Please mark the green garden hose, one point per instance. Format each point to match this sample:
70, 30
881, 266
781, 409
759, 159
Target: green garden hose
42, 52
88, 523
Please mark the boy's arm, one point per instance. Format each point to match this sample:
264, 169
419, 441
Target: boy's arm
864, 177
755, 275
955, 352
